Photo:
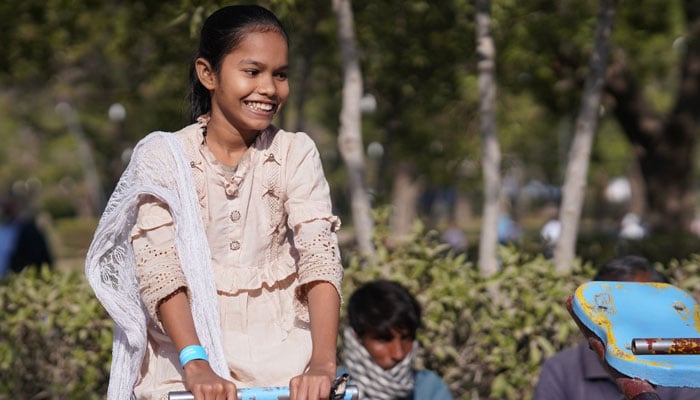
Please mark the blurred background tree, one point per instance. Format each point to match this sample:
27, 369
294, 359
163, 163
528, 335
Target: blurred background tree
420, 122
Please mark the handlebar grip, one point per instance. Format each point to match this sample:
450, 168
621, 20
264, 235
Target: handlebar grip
180, 396
265, 393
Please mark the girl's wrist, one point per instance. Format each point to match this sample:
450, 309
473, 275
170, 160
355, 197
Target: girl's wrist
196, 366
191, 353
323, 366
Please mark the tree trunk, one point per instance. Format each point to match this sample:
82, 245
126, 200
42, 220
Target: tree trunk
95, 191
664, 145
350, 135
486, 53
404, 198
637, 201
303, 64
579, 156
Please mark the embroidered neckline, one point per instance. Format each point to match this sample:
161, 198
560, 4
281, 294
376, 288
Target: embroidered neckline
232, 178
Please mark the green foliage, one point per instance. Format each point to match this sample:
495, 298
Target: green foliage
56, 338
417, 59
74, 236
422, 115
684, 274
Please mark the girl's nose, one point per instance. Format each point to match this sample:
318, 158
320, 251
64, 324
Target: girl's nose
267, 86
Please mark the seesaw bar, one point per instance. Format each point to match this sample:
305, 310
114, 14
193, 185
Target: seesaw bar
666, 346
266, 393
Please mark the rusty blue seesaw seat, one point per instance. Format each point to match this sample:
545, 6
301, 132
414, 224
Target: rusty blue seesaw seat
620, 313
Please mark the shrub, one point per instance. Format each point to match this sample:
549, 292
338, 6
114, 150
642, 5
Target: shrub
55, 341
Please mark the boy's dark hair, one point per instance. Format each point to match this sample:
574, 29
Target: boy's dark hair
382, 305
221, 33
626, 267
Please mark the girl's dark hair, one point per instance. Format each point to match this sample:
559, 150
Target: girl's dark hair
382, 305
221, 33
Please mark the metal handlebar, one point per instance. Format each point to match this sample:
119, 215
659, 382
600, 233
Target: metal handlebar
267, 393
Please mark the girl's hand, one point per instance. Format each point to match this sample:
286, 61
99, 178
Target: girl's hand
205, 384
314, 384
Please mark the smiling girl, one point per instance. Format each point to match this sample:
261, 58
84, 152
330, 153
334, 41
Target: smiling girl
217, 255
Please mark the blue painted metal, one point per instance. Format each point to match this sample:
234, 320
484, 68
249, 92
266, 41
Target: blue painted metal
618, 312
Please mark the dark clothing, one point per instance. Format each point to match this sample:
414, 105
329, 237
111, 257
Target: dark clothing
578, 374
31, 248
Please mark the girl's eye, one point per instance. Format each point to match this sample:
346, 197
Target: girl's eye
281, 76
251, 72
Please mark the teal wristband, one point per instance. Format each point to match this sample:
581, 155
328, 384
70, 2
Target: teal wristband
192, 352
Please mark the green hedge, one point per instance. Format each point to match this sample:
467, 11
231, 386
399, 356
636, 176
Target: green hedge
486, 337
55, 341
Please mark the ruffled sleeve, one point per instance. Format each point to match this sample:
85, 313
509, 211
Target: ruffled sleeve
311, 218
158, 268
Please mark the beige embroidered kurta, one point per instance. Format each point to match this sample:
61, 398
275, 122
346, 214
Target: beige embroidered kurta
270, 230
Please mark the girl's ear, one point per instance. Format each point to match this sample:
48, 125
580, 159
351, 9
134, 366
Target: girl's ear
205, 73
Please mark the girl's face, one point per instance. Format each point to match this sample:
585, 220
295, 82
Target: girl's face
252, 84
388, 351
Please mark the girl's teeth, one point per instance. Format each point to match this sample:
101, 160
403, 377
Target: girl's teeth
260, 106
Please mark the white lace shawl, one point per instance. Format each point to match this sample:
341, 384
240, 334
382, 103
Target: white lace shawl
159, 167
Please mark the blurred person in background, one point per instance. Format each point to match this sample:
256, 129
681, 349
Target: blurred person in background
22, 243
380, 345
550, 233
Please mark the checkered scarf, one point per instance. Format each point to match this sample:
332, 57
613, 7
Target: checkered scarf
374, 382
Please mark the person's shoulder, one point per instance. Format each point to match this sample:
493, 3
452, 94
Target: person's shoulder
156, 140
293, 145
190, 132
426, 375
431, 385
290, 136
566, 356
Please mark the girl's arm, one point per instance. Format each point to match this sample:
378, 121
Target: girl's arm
163, 288
324, 309
200, 379
310, 216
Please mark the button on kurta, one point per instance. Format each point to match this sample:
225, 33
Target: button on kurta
235, 245
235, 215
